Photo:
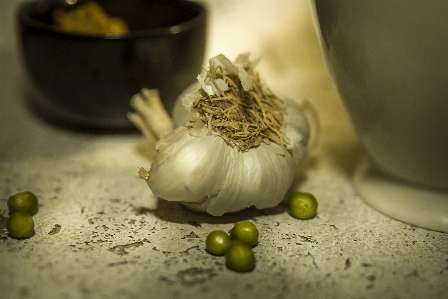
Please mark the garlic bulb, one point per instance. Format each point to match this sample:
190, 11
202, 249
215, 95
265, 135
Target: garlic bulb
235, 144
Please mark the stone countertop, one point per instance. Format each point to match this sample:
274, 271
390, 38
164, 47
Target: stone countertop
100, 233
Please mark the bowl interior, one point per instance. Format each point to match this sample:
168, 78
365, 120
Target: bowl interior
142, 17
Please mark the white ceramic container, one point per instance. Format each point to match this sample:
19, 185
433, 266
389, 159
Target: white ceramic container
389, 63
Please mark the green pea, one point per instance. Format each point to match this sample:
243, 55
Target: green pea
240, 257
23, 202
245, 232
20, 225
302, 205
217, 242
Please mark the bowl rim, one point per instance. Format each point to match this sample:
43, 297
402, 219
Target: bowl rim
24, 10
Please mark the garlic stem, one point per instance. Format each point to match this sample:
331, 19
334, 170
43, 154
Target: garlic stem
150, 115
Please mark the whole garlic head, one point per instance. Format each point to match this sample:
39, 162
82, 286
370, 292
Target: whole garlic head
235, 145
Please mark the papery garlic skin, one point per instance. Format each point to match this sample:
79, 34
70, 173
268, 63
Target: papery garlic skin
297, 129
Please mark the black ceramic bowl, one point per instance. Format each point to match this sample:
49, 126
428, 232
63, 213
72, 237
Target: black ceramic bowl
88, 80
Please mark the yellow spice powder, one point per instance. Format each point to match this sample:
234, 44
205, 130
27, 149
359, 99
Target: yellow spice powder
89, 18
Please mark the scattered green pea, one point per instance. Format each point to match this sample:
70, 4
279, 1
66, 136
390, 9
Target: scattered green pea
302, 205
236, 246
217, 242
240, 257
245, 232
23, 202
20, 225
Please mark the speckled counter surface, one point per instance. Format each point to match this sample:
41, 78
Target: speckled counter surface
101, 234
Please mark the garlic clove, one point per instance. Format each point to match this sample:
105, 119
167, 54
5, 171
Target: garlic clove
185, 168
257, 178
